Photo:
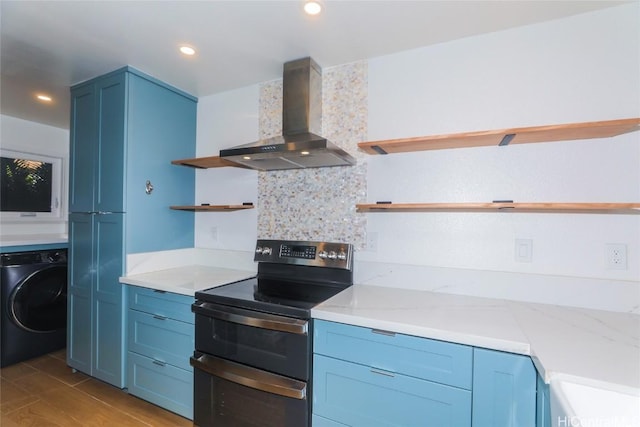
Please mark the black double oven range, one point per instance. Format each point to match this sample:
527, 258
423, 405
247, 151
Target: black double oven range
253, 357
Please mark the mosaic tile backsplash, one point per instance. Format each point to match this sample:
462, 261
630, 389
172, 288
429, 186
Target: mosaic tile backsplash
318, 203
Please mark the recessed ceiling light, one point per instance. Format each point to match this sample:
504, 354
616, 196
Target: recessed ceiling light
246, 158
312, 7
44, 98
187, 50
304, 153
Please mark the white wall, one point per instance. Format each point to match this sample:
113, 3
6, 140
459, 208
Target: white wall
582, 68
36, 138
577, 69
226, 120
572, 70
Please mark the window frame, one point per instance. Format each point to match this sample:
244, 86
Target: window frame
56, 187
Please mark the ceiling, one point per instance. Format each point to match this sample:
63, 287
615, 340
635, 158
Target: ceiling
47, 46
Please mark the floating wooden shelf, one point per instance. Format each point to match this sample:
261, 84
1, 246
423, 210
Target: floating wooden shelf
207, 162
629, 208
524, 135
212, 208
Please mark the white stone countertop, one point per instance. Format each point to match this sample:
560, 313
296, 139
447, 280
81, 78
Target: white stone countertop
33, 239
593, 347
187, 280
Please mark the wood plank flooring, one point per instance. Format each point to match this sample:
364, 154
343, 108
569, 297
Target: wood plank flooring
45, 392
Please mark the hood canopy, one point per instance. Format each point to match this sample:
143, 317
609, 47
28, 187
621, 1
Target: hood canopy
300, 146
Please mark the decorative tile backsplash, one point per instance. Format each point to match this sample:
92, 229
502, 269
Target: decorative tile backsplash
318, 203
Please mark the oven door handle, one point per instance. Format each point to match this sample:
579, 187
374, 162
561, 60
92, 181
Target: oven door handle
252, 318
250, 377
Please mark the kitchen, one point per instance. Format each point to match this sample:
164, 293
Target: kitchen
546, 73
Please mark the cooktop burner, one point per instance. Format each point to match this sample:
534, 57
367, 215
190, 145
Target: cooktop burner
293, 277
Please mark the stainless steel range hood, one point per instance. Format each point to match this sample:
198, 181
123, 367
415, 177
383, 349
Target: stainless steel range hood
299, 146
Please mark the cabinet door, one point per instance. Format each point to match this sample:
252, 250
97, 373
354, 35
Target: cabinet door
161, 128
109, 169
360, 396
83, 145
108, 299
504, 390
165, 385
543, 410
80, 292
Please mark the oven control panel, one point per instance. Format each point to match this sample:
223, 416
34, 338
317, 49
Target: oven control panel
318, 254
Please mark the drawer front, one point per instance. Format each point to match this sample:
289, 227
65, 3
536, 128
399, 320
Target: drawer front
166, 386
423, 358
357, 395
161, 339
160, 303
318, 421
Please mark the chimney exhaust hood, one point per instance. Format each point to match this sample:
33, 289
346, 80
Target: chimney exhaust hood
299, 146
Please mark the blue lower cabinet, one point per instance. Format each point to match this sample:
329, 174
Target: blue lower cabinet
504, 389
543, 405
358, 395
368, 378
318, 421
160, 340
431, 360
161, 384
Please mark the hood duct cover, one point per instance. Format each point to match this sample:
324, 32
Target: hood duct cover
299, 146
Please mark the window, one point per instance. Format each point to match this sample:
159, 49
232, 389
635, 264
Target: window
30, 185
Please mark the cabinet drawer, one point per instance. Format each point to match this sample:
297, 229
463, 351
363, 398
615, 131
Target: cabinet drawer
432, 360
318, 421
164, 340
162, 303
357, 395
163, 385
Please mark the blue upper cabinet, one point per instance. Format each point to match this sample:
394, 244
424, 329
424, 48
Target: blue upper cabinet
127, 127
84, 149
109, 174
162, 127
504, 389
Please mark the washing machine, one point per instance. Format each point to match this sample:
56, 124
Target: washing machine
34, 304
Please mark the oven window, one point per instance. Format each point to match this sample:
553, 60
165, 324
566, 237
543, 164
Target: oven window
222, 403
280, 352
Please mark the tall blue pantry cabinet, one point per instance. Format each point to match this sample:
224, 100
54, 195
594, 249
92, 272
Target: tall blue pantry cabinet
126, 127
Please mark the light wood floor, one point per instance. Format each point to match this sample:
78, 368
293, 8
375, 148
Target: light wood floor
45, 392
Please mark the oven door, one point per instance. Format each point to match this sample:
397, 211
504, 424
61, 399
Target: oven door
227, 394
277, 344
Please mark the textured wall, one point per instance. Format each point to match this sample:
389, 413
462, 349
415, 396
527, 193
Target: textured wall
318, 203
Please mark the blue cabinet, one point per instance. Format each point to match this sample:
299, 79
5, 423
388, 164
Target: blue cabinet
161, 338
96, 161
364, 377
504, 389
95, 299
126, 127
543, 404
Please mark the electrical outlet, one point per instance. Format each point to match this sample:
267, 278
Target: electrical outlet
372, 242
523, 250
616, 256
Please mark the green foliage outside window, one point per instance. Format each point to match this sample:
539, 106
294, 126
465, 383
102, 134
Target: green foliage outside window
26, 185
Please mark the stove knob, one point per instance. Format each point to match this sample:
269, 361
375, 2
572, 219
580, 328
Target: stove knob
323, 254
332, 255
258, 250
266, 250
342, 255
